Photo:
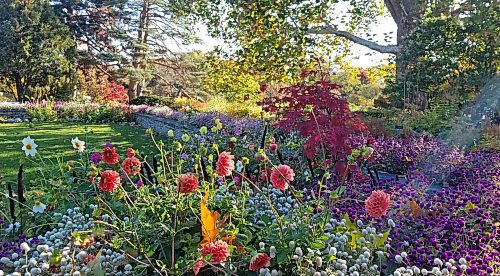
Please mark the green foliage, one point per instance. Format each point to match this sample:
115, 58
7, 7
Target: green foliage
229, 78
35, 50
361, 86
42, 113
449, 57
273, 37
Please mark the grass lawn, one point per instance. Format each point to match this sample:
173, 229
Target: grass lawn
54, 141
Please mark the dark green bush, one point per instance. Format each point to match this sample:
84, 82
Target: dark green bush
152, 100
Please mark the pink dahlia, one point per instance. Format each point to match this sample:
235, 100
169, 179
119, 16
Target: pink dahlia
273, 147
219, 250
259, 261
131, 165
225, 164
280, 177
377, 203
110, 180
109, 155
187, 183
130, 152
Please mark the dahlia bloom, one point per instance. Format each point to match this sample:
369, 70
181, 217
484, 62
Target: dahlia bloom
219, 250
377, 203
187, 183
225, 164
95, 157
280, 176
130, 152
109, 155
261, 157
273, 147
131, 165
110, 180
198, 265
259, 261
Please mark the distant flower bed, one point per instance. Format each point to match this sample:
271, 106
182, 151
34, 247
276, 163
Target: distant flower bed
232, 125
215, 203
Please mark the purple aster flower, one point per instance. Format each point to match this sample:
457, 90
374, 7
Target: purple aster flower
95, 157
184, 156
108, 144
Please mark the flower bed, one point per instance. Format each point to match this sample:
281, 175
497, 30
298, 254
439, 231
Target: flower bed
215, 203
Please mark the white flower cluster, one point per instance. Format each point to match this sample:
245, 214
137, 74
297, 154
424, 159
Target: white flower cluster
441, 268
336, 257
258, 205
73, 260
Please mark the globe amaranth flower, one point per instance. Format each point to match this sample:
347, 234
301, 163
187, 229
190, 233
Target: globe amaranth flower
110, 180
280, 177
109, 155
219, 250
95, 157
377, 203
187, 183
225, 164
131, 165
259, 261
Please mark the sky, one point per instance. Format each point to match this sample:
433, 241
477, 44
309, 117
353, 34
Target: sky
360, 55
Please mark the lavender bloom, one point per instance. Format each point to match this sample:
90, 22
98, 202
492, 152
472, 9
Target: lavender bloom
95, 157
108, 145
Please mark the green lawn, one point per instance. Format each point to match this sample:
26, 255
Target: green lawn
54, 140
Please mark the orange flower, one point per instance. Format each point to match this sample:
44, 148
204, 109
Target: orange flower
377, 203
187, 183
225, 164
280, 176
110, 180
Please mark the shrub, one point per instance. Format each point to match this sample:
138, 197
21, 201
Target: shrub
152, 100
42, 112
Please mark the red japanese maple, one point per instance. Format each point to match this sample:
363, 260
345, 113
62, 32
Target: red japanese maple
114, 93
319, 114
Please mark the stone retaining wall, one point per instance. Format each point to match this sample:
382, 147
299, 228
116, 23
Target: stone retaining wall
163, 125
14, 114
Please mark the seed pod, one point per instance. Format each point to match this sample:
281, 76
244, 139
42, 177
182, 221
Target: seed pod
12, 204
20, 187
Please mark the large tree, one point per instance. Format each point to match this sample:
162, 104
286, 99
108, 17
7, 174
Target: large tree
280, 33
126, 39
35, 48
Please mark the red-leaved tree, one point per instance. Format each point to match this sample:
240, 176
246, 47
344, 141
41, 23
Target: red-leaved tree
114, 93
314, 109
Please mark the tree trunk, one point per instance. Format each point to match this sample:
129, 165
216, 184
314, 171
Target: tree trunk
406, 14
19, 87
139, 57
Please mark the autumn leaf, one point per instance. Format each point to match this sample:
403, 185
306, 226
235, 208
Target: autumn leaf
209, 228
416, 211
